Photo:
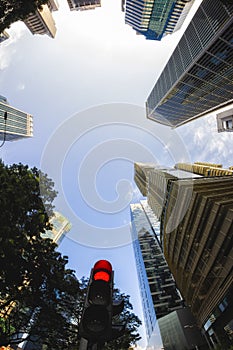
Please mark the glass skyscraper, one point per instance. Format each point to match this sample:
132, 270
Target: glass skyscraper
14, 124
156, 18
61, 226
198, 77
158, 290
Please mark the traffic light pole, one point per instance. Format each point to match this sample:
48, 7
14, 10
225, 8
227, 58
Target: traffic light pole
96, 327
87, 345
94, 346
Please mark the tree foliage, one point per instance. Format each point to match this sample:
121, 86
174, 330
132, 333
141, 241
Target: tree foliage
38, 294
15, 10
39, 297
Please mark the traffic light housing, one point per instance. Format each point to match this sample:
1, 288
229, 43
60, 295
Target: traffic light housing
96, 322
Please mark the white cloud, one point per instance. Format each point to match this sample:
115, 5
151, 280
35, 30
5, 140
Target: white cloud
8, 47
21, 86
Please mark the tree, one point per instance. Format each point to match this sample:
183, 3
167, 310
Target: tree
127, 318
40, 298
15, 10
38, 295
24, 217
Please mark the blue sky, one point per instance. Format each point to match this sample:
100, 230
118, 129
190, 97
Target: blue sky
86, 90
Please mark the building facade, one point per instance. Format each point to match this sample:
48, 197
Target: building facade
225, 120
198, 77
158, 290
60, 226
81, 5
156, 18
4, 36
196, 232
42, 22
14, 124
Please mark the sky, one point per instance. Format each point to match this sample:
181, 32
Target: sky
86, 90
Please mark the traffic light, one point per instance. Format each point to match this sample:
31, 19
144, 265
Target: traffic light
99, 308
96, 322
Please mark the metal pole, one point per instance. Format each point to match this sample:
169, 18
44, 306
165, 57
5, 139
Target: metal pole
83, 344
92, 346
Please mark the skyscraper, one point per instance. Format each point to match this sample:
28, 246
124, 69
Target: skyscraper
158, 290
61, 226
198, 77
204, 168
42, 22
14, 124
156, 18
3, 36
225, 120
80, 5
197, 239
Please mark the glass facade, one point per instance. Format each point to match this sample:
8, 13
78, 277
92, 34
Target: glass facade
154, 18
61, 225
198, 77
18, 124
158, 290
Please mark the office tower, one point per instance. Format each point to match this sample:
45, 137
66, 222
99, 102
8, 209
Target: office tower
197, 239
80, 5
14, 124
156, 18
225, 120
60, 226
42, 22
158, 290
198, 77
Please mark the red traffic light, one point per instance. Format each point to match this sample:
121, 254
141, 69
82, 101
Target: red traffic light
102, 270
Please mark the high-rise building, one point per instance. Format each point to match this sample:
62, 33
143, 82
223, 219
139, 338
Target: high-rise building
197, 239
158, 291
156, 18
141, 173
60, 226
14, 124
225, 120
81, 5
42, 22
198, 77
3, 36
204, 168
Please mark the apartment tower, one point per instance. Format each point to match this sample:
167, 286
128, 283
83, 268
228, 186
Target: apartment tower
14, 124
225, 120
42, 22
196, 232
158, 290
82, 5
